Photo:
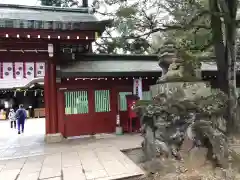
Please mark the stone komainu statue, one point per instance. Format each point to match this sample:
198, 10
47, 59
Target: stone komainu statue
173, 65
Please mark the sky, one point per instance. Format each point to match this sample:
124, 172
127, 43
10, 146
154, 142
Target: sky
23, 2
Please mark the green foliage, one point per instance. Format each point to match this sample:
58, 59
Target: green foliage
131, 21
60, 3
192, 25
126, 12
51, 3
141, 26
184, 21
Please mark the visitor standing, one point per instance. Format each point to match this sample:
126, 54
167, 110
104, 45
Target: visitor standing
12, 118
21, 116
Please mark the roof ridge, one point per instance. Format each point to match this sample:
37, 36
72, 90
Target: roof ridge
87, 55
46, 8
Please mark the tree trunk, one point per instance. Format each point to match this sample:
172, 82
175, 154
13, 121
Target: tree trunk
219, 48
85, 3
230, 10
232, 93
226, 54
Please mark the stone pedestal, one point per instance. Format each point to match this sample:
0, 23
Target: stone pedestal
119, 130
54, 138
149, 144
189, 89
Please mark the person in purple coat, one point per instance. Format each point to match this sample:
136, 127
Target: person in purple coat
21, 116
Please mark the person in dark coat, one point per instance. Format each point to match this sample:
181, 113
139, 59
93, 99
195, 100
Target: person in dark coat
21, 116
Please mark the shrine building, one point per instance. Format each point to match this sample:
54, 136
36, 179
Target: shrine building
46, 58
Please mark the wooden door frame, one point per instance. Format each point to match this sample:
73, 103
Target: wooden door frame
113, 101
62, 104
61, 111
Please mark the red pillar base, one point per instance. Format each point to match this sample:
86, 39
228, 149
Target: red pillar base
53, 138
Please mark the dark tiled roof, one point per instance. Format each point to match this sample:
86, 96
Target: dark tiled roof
121, 63
94, 63
113, 63
17, 16
113, 66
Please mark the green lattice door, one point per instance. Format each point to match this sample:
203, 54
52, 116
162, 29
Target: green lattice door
102, 101
122, 100
76, 102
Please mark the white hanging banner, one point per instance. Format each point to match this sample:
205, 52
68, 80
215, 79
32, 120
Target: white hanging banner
29, 70
40, 69
7, 70
137, 87
140, 88
1, 70
19, 70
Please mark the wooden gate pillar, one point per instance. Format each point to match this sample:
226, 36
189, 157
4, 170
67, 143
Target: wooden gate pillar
46, 99
50, 97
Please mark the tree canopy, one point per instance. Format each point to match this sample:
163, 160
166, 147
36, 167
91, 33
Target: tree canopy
144, 25
141, 26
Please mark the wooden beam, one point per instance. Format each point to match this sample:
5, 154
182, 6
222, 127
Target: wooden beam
43, 42
46, 34
106, 74
23, 57
13, 44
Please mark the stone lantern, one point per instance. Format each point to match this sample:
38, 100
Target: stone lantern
180, 95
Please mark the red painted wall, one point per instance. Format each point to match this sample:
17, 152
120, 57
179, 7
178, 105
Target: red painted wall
94, 122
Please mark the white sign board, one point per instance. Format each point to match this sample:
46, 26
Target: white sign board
137, 87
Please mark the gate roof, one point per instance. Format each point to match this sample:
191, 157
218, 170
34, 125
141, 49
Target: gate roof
121, 65
31, 28
41, 17
112, 65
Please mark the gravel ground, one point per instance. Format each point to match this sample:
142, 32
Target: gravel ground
168, 173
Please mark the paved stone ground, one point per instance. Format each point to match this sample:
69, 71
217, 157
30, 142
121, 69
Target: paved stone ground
14, 145
27, 157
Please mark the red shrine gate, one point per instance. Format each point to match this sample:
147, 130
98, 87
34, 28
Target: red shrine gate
46, 34
83, 93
